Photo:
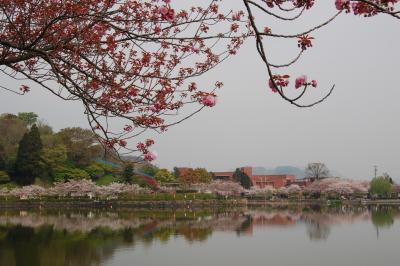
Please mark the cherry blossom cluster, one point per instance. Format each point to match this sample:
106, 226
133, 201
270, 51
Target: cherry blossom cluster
297, 3
143, 147
74, 188
367, 8
305, 42
139, 60
302, 81
290, 11
220, 187
209, 100
133, 60
78, 222
290, 190
255, 190
339, 186
278, 82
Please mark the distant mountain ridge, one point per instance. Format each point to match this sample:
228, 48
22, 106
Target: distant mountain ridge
280, 170
286, 170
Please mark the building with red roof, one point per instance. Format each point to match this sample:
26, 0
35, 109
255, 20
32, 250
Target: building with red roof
276, 181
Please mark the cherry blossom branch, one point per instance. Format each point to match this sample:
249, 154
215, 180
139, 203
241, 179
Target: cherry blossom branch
282, 79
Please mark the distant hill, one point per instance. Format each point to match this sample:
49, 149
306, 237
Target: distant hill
286, 170
280, 170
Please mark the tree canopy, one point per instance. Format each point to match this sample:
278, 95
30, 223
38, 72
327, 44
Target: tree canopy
317, 171
195, 176
165, 176
34, 151
11, 131
82, 144
29, 118
381, 187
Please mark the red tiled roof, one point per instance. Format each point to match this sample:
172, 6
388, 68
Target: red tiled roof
223, 173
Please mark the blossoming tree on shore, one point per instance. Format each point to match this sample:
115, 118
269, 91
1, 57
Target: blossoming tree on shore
138, 60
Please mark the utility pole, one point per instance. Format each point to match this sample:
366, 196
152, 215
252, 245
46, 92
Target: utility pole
375, 170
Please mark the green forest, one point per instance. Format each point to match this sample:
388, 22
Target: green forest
31, 152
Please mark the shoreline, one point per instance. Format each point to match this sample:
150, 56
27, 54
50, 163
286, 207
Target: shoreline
131, 204
179, 204
324, 202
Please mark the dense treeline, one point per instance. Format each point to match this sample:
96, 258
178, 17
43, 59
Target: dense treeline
31, 152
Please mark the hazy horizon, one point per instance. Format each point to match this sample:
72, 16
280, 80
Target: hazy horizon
350, 132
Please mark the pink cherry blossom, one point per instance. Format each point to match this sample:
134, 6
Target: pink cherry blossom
341, 4
195, 50
150, 156
300, 81
314, 83
339, 186
164, 10
220, 187
209, 100
157, 29
271, 85
171, 15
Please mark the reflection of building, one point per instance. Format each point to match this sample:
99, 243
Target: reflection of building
269, 219
276, 181
277, 219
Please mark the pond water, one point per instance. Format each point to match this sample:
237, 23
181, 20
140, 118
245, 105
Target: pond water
284, 236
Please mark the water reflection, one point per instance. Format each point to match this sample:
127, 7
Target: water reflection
90, 237
383, 216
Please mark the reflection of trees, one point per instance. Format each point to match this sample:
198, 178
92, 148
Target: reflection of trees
318, 231
245, 226
383, 216
195, 234
46, 246
319, 220
87, 238
127, 235
164, 234
90, 237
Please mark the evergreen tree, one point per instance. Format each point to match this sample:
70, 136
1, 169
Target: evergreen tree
127, 174
2, 162
246, 182
176, 172
242, 178
27, 165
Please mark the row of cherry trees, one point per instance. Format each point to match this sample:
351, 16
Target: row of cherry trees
138, 60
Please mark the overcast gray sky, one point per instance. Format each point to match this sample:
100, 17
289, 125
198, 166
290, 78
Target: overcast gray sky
356, 128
